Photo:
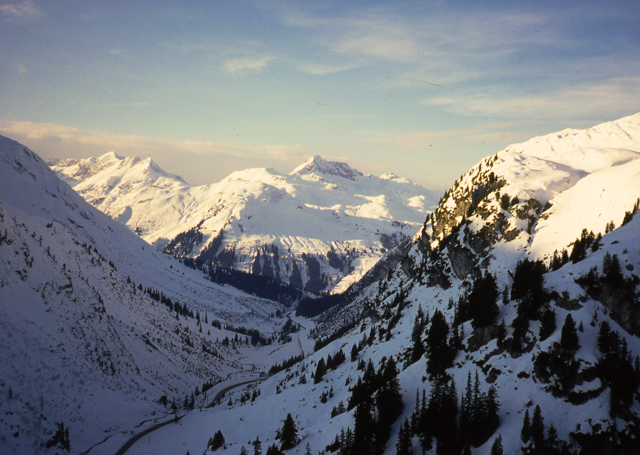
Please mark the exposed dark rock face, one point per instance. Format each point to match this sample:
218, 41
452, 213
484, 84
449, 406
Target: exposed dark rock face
462, 259
624, 306
481, 336
316, 281
295, 279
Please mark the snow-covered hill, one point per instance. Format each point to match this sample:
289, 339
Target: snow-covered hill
81, 341
535, 198
321, 227
561, 334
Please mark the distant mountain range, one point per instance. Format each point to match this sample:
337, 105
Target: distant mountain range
318, 228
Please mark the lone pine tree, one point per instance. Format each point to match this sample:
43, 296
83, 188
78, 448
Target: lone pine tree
289, 434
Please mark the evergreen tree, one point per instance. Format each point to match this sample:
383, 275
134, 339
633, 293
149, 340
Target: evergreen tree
418, 350
243, 451
528, 287
439, 355
257, 446
552, 443
547, 324
418, 325
483, 301
216, 442
358, 394
441, 417
320, 371
347, 443
354, 353
273, 449
537, 427
289, 434
569, 338
611, 273
389, 404
467, 412
403, 447
581, 245
492, 411
525, 433
479, 413
364, 442
496, 448
60, 438
501, 333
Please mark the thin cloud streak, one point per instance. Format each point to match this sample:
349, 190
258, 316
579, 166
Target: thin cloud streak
247, 65
320, 69
587, 100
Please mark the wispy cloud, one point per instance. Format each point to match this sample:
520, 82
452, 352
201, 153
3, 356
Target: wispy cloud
197, 161
433, 42
610, 97
24, 10
246, 65
321, 69
419, 34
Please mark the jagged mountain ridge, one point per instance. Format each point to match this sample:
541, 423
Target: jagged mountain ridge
80, 342
321, 227
536, 197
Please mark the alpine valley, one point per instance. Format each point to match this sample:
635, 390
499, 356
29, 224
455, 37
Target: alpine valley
506, 322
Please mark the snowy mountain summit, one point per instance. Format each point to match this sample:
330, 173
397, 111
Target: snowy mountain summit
318, 166
319, 228
536, 197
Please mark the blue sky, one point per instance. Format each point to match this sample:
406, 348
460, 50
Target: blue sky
423, 89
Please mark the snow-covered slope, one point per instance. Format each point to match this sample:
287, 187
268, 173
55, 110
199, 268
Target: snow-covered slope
81, 342
524, 203
536, 197
321, 227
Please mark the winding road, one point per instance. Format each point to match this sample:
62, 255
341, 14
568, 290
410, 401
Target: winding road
135, 438
216, 400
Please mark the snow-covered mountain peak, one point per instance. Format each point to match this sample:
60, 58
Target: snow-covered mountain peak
259, 220
323, 167
109, 165
599, 147
390, 176
110, 156
535, 198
